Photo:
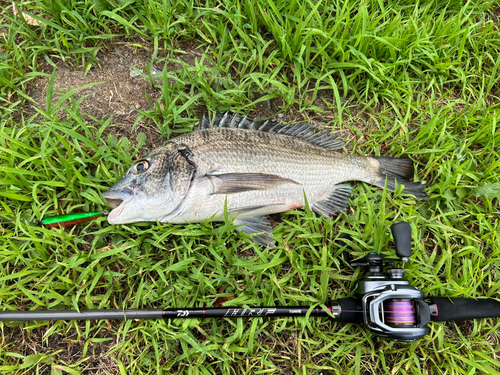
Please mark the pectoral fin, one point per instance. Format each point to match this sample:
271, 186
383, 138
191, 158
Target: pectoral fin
257, 224
230, 183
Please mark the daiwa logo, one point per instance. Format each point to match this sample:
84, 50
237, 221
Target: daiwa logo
182, 313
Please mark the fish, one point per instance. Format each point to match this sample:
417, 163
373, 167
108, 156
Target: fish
249, 169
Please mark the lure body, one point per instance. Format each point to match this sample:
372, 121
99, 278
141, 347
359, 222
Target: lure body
70, 219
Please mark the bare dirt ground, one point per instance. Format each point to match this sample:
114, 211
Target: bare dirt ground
119, 91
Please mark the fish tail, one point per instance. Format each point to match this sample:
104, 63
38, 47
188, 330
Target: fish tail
392, 170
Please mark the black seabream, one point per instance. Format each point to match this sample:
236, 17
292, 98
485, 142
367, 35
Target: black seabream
257, 167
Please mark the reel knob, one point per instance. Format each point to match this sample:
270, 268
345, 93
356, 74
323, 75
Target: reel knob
401, 232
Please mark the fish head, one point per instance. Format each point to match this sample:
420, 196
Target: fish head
153, 187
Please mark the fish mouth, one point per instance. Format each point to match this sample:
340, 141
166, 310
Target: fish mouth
117, 199
114, 202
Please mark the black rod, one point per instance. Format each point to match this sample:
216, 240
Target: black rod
233, 312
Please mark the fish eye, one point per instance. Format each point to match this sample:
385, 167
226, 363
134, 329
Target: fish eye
140, 166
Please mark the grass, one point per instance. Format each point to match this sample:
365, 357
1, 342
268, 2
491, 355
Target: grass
403, 79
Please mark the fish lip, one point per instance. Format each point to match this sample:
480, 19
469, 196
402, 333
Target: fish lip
117, 198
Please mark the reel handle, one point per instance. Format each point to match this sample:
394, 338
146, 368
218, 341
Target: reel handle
448, 309
401, 232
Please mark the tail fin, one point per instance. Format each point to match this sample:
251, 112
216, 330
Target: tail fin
400, 170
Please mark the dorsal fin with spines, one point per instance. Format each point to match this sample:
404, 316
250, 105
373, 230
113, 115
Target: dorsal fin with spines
304, 131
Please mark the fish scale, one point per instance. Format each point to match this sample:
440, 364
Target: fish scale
289, 157
255, 168
315, 171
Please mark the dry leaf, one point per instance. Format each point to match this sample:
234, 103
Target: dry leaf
29, 20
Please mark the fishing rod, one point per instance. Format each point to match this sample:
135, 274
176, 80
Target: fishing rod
384, 302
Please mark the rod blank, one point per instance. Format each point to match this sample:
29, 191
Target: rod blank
234, 312
82, 315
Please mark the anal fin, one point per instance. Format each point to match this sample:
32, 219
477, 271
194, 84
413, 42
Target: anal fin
254, 225
335, 202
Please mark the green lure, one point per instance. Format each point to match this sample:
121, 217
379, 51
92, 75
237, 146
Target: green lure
70, 219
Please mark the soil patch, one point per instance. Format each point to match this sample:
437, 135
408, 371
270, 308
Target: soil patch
118, 91
125, 82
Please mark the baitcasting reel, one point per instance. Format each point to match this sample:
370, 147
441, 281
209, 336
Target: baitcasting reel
391, 306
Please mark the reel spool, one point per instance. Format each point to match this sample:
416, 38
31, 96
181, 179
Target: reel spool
399, 313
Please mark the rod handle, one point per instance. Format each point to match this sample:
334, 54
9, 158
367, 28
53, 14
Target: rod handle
449, 309
350, 310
